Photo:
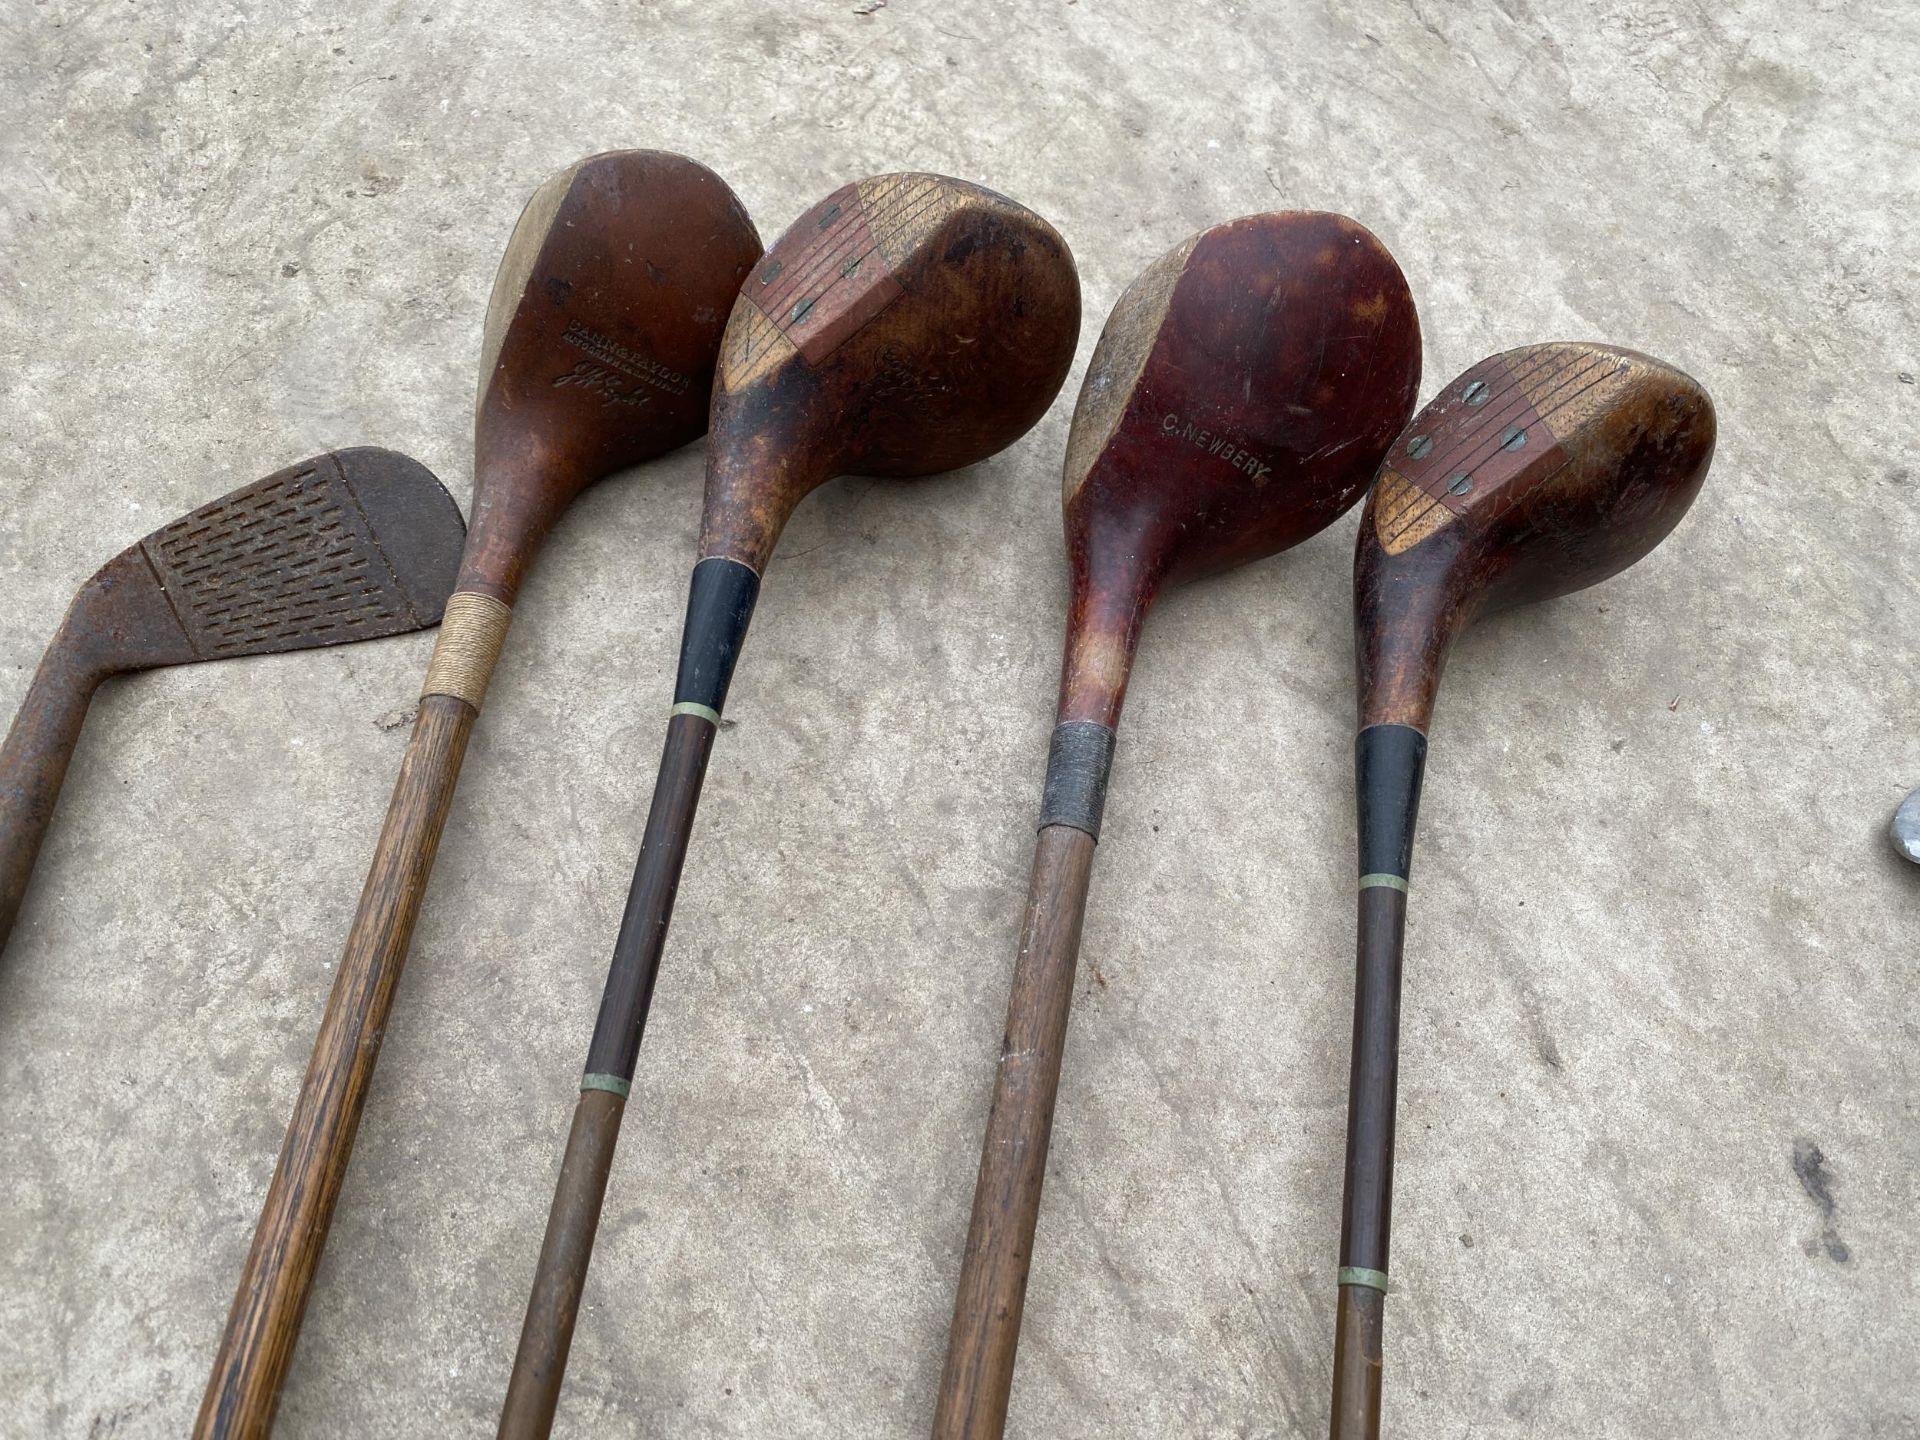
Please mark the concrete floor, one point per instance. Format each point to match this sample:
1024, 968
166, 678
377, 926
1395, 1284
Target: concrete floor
1659, 1156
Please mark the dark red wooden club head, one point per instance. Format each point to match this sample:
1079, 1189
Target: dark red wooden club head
1536, 473
1241, 397
601, 340
906, 325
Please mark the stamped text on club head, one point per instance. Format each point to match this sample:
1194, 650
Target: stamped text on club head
1243, 392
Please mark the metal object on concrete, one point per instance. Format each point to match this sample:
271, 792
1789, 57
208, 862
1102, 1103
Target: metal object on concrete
1904, 829
349, 545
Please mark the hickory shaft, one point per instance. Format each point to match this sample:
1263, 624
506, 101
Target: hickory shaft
718, 611
264, 1322
1388, 764
1006, 1199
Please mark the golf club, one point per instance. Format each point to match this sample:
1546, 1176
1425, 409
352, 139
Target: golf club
1536, 473
598, 353
349, 545
907, 324
1243, 392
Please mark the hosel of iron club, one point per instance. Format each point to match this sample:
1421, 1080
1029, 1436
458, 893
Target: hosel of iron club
1388, 764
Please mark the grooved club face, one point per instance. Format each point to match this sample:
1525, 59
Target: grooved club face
1536, 473
906, 325
350, 545
601, 338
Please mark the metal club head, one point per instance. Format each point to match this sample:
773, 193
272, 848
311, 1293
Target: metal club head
907, 324
350, 545
1536, 473
600, 341
1241, 397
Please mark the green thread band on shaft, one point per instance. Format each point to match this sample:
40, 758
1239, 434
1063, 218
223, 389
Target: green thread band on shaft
1390, 882
612, 1084
692, 707
1372, 1279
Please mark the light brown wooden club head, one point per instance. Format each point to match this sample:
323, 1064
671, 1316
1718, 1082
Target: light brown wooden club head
600, 343
1241, 397
1536, 473
905, 325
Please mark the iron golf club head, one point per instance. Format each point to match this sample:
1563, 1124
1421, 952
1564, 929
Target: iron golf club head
905, 325
600, 341
1536, 473
349, 545
1242, 395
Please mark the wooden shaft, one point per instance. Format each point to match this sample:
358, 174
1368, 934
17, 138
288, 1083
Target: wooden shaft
540, 1363
33, 766
264, 1322
1006, 1198
1356, 1364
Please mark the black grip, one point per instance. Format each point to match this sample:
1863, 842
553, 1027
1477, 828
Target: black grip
1078, 762
719, 605
1388, 763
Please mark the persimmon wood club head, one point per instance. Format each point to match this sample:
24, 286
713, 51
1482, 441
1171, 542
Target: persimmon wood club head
348, 545
905, 325
1241, 396
600, 341
1534, 474
598, 353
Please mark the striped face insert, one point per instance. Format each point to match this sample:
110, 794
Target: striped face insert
834, 271
1498, 433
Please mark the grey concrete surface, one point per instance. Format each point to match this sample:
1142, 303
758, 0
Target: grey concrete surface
1659, 1156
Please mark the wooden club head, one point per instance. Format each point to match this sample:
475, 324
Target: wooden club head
600, 343
1241, 397
905, 325
1536, 473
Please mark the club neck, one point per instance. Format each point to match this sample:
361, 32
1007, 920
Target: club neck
719, 609
1103, 633
1388, 761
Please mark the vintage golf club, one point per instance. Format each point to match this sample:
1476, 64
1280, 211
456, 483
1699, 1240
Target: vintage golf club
1536, 473
349, 545
905, 325
598, 353
1241, 396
